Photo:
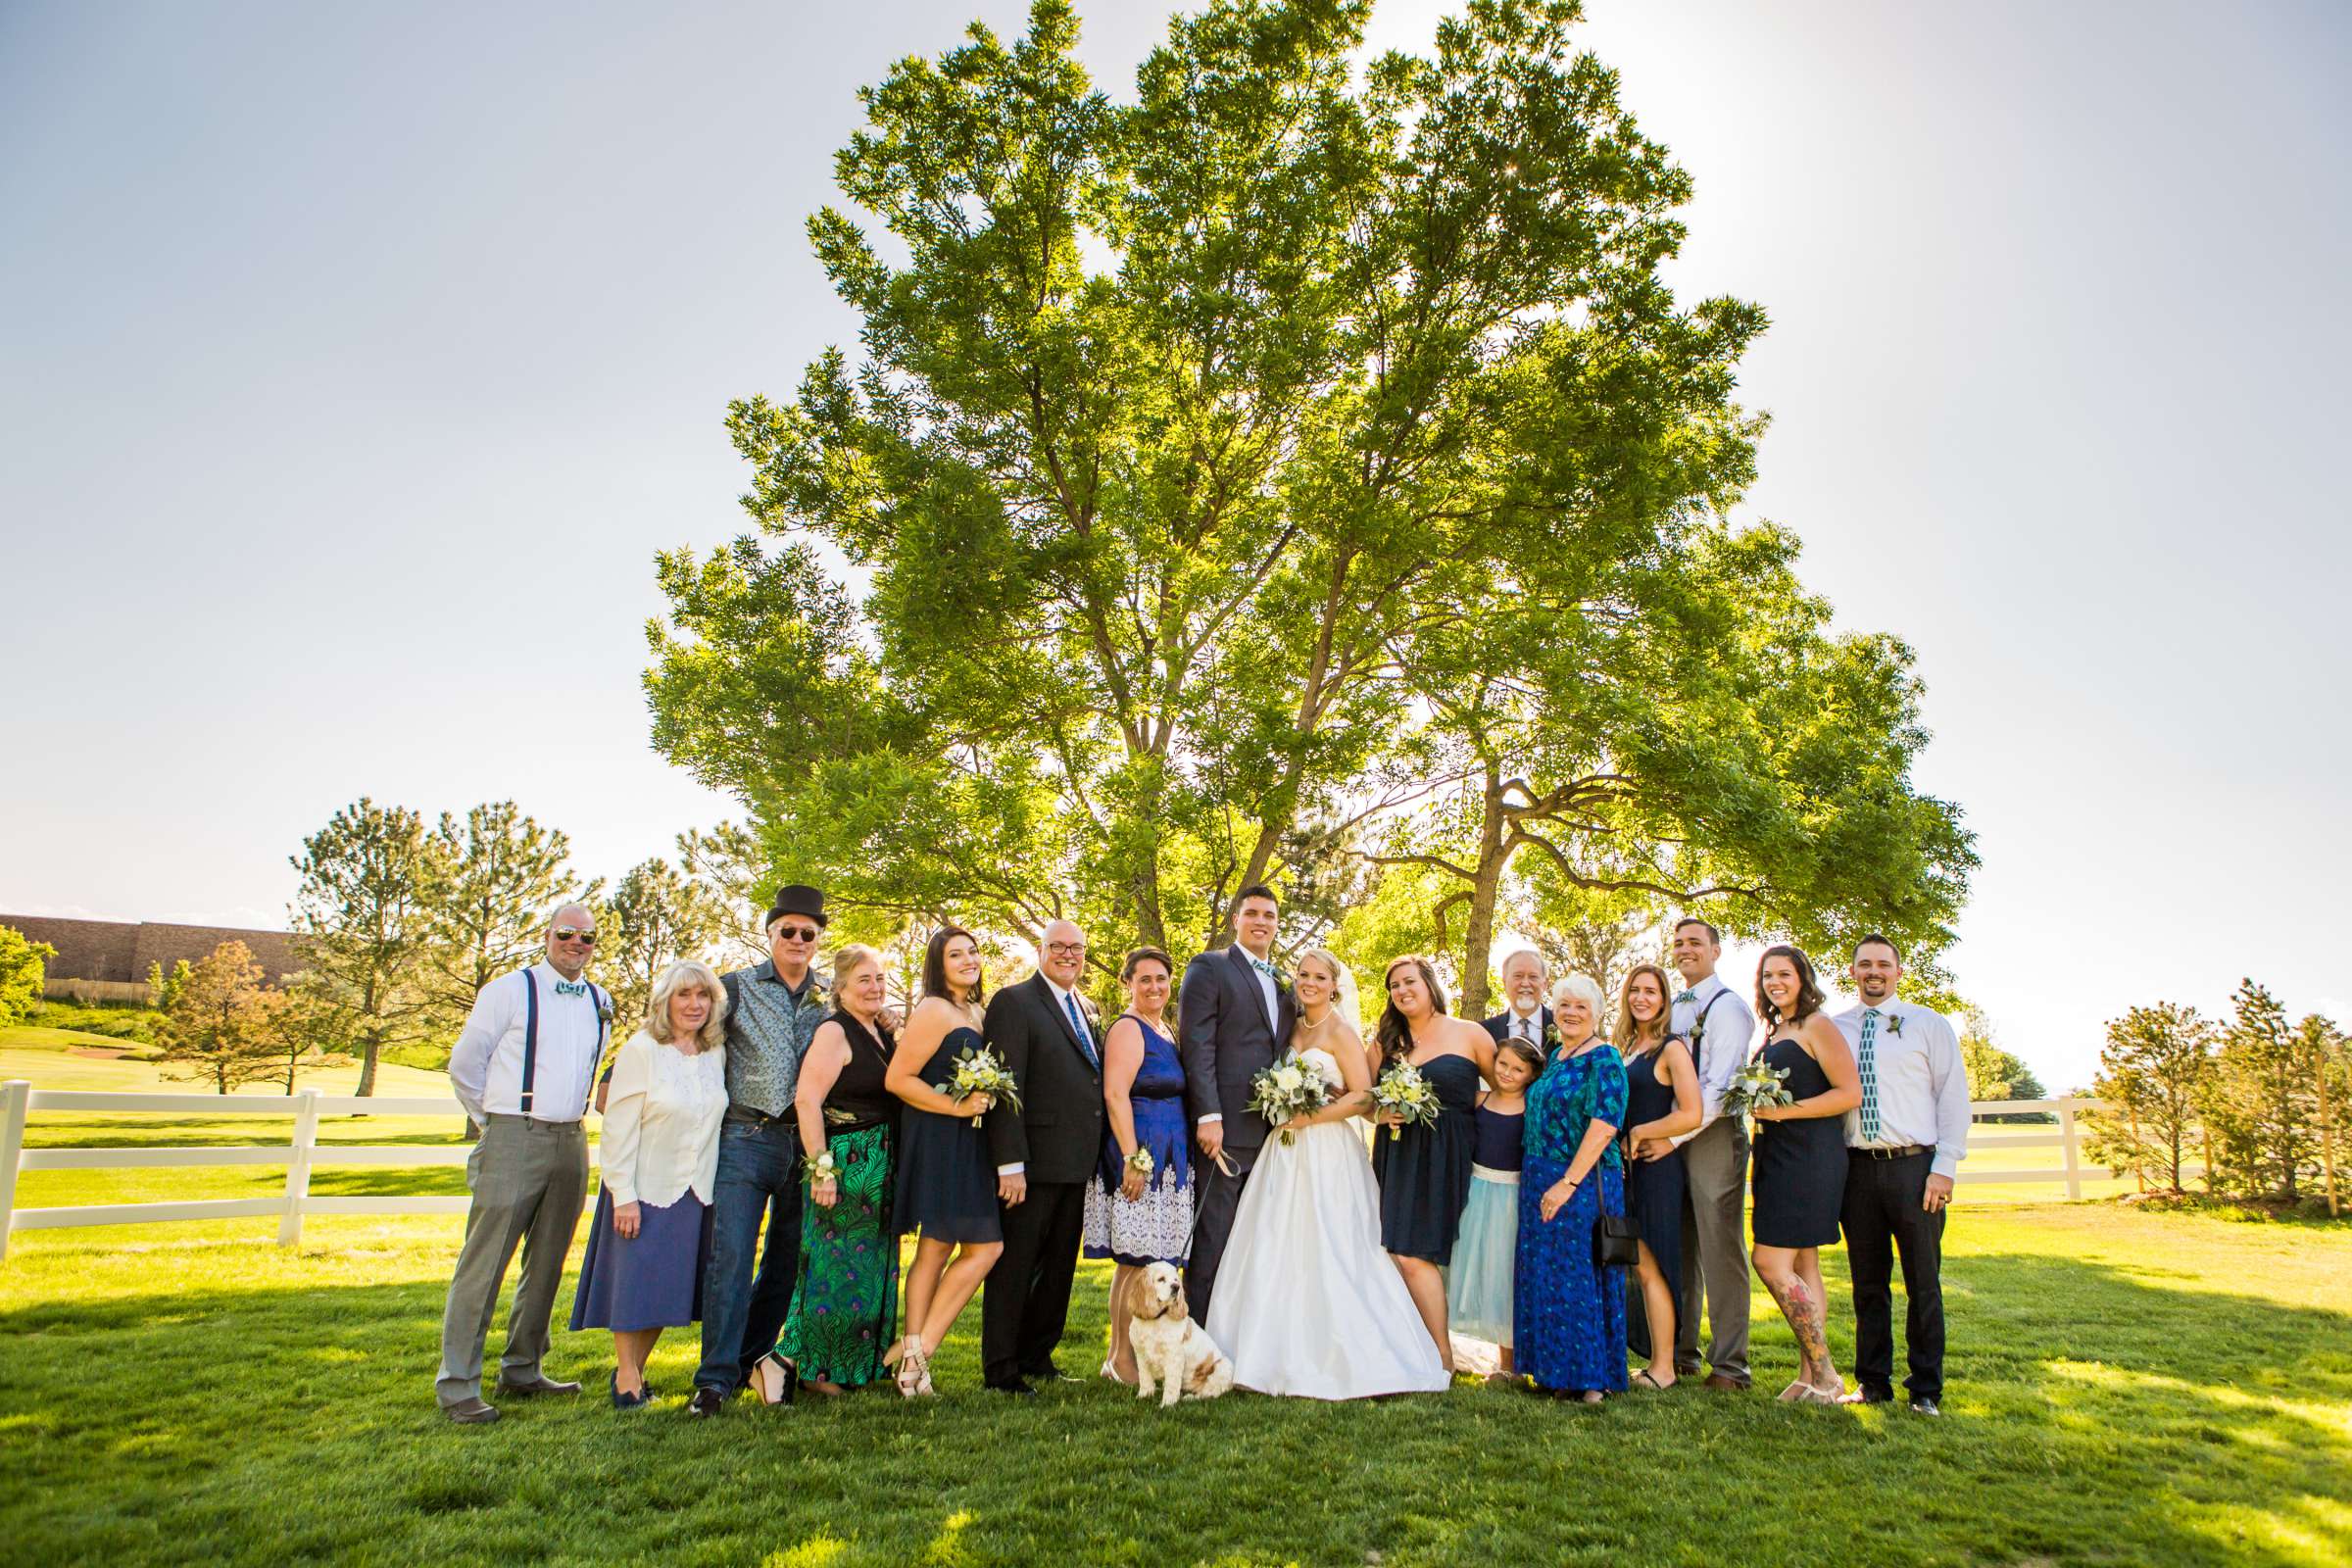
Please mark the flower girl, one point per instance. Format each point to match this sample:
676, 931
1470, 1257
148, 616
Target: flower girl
1478, 1283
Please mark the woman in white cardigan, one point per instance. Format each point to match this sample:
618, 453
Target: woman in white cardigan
659, 1154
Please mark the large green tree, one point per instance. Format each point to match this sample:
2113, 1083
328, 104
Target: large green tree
360, 911
492, 879
24, 965
1169, 424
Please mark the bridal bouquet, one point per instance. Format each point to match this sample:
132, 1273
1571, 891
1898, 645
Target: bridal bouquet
1756, 1084
979, 1072
1402, 1090
1290, 1088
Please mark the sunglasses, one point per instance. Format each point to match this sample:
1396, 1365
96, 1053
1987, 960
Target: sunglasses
795, 933
566, 933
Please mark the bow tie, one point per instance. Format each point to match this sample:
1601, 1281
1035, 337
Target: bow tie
1686, 996
572, 988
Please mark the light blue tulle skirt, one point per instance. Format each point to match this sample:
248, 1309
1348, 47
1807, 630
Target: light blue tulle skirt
1477, 1282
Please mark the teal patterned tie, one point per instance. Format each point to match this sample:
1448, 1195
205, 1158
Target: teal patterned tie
1868, 1063
1262, 967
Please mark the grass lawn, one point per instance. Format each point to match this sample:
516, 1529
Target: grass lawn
2126, 1388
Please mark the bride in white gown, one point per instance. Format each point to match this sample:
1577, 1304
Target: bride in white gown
1306, 1302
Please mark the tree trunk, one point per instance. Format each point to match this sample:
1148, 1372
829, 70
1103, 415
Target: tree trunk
368, 1068
1492, 857
2326, 1138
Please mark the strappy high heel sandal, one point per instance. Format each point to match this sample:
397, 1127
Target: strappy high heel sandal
914, 1373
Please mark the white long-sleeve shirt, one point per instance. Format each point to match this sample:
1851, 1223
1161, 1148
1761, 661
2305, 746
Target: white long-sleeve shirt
1723, 1045
1921, 1081
662, 1115
486, 1067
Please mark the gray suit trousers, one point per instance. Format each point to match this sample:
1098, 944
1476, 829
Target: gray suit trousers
1715, 1249
529, 1179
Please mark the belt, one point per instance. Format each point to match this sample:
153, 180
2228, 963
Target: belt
1904, 1152
744, 1115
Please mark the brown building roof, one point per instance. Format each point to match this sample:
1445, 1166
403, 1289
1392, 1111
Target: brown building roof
120, 951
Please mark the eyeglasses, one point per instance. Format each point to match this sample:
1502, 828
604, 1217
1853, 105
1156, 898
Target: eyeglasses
1067, 950
573, 933
795, 933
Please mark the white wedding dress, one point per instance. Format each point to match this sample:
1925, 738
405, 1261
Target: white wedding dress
1306, 1302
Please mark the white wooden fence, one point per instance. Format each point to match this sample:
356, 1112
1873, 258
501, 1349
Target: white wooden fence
303, 1150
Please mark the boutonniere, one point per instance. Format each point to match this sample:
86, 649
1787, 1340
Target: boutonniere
603, 1010
1894, 1024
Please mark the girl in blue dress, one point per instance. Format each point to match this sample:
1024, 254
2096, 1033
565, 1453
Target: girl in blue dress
1568, 1312
1477, 1282
1138, 1209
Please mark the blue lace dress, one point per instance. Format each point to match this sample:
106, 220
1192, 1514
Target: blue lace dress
1568, 1314
1157, 1227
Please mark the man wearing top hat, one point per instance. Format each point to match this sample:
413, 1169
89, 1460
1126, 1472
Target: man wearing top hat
773, 1010
522, 1067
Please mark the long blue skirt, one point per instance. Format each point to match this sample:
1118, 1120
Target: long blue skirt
653, 1280
1568, 1314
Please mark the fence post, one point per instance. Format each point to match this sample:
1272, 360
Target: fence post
14, 1095
2073, 1151
298, 1168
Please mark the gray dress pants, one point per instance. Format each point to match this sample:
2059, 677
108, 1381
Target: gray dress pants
528, 1179
1715, 1249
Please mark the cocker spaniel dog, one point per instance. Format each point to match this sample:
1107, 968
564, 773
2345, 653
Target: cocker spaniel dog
1171, 1349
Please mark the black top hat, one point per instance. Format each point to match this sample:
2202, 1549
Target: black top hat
797, 898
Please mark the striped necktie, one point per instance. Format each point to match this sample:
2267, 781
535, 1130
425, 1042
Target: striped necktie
1867, 1062
1085, 1042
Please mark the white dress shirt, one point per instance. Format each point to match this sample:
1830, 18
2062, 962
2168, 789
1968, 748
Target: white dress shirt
1922, 1083
1723, 1047
1265, 989
1062, 1005
486, 1066
661, 1116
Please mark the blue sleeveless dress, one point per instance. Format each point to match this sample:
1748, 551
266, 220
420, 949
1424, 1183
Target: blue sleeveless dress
946, 1187
1425, 1171
1157, 1227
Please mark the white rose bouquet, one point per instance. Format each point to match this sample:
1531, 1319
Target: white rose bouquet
1290, 1088
1756, 1084
1403, 1091
979, 1072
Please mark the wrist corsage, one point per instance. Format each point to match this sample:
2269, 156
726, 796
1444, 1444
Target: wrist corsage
1140, 1162
822, 1168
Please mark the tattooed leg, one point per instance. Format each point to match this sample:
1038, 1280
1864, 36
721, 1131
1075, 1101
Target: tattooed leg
1802, 1309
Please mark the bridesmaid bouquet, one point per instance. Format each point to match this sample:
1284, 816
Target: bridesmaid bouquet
979, 1072
1756, 1084
1290, 1088
1402, 1090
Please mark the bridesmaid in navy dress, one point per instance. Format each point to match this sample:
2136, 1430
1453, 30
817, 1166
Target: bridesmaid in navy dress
1567, 1310
1424, 1170
1800, 1159
946, 1187
1662, 1104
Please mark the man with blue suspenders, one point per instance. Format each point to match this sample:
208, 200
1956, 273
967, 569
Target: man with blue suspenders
523, 1068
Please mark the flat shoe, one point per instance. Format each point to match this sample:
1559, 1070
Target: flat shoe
470, 1413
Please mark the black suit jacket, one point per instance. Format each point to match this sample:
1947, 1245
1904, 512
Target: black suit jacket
1058, 1133
1503, 1020
1225, 1039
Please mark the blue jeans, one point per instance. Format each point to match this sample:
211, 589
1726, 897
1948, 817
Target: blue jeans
759, 1173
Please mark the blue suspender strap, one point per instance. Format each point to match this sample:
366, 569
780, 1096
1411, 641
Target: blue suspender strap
530, 1037
598, 1054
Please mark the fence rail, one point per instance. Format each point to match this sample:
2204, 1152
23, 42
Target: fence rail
302, 1152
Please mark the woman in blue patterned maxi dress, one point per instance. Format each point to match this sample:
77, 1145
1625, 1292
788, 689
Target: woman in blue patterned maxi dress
1568, 1312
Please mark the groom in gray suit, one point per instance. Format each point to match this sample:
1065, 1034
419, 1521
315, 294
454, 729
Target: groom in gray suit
1234, 1016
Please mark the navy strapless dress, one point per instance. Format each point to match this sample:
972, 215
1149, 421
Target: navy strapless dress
1653, 1193
1425, 1171
1800, 1165
946, 1187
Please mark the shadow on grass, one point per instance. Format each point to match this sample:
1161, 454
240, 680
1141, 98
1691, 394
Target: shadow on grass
2092, 1415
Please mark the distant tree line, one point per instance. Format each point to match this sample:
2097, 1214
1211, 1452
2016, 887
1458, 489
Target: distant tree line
2254, 1100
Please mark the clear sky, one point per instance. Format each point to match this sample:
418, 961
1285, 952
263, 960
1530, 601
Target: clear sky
354, 360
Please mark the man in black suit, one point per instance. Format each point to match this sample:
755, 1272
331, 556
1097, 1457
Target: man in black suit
1524, 1016
1045, 1154
1234, 1015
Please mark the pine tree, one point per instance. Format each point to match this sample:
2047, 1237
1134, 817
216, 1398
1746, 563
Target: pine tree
2152, 1074
2262, 1100
217, 1027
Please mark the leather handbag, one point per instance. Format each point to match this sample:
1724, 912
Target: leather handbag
1616, 1241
